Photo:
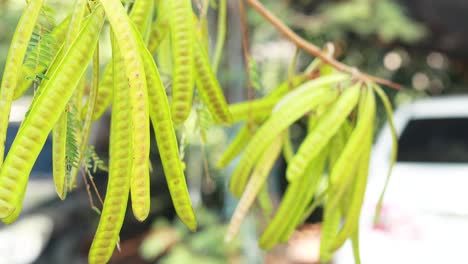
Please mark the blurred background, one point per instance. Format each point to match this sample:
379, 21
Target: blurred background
420, 44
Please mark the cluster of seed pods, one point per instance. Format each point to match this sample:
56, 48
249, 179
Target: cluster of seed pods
336, 150
340, 113
131, 82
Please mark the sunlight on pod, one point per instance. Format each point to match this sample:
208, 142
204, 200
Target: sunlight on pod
128, 45
59, 33
388, 109
167, 141
326, 127
182, 34
208, 86
367, 115
118, 185
14, 60
293, 106
253, 187
43, 114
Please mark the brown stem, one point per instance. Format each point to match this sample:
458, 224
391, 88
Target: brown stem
312, 49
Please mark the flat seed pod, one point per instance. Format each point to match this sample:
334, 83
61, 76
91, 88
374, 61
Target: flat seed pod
182, 34
292, 107
167, 141
13, 64
43, 114
118, 185
134, 68
326, 127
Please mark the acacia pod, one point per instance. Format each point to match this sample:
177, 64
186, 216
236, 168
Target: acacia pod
292, 107
330, 225
43, 114
256, 181
341, 175
313, 174
318, 138
59, 141
59, 33
208, 86
167, 141
283, 223
366, 122
134, 69
160, 27
118, 185
140, 14
182, 37
14, 60
388, 109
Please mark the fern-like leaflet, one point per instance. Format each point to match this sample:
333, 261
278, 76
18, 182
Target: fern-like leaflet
39, 53
92, 161
72, 154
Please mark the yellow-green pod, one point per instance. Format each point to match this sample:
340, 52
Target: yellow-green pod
134, 68
313, 175
140, 14
182, 38
365, 124
59, 33
167, 141
14, 61
59, 170
326, 127
330, 225
291, 108
118, 185
388, 109
43, 114
160, 28
257, 180
284, 221
208, 86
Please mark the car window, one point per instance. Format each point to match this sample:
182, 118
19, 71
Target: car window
43, 165
434, 140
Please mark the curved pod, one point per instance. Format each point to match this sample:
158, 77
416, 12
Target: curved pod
128, 45
14, 60
43, 114
118, 186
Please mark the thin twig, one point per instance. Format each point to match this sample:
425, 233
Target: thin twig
312, 49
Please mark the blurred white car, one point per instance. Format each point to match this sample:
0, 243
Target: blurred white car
424, 217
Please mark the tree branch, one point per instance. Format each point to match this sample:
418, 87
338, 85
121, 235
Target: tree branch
314, 50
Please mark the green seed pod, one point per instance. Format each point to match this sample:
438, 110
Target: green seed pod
43, 114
